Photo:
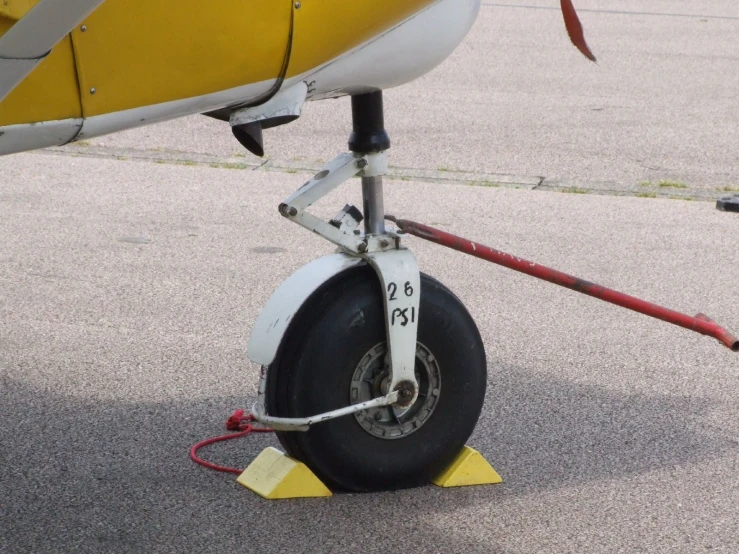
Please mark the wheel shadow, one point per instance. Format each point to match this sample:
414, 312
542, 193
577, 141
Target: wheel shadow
548, 433
82, 475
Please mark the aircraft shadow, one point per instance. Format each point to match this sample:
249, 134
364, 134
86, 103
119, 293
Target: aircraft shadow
102, 476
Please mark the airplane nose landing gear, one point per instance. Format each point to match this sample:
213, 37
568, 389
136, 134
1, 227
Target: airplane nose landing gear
363, 333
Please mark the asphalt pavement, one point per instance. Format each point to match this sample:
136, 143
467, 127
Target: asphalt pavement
133, 268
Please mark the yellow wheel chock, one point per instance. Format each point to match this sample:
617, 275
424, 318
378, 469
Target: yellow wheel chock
468, 468
273, 475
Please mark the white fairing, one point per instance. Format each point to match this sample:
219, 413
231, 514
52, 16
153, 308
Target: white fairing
18, 138
286, 103
279, 311
401, 55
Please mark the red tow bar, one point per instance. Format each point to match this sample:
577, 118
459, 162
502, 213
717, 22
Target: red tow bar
700, 324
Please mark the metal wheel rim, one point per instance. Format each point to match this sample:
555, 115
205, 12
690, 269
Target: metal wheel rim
369, 381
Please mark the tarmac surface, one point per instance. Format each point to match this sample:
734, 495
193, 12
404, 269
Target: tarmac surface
133, 268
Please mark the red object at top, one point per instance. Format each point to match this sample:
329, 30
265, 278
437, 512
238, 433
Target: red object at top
574, 29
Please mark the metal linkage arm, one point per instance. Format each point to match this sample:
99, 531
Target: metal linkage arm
304, 423
259, 410
337, 171
340, 169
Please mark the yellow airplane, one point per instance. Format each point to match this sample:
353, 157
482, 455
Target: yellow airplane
374, 374
77, 69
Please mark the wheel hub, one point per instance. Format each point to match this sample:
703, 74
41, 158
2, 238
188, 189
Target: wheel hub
371, 380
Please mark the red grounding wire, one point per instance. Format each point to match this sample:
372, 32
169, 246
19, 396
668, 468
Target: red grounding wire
237, 422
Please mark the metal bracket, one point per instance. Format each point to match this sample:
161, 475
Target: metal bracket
335, 173
401, 287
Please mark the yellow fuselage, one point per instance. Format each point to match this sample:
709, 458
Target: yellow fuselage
190, 56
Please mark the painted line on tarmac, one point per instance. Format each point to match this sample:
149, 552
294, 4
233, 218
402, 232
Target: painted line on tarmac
663, 189
613, 12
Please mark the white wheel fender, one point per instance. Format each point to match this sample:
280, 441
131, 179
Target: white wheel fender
279, 311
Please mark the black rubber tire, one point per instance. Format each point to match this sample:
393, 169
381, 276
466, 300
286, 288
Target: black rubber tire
312, 373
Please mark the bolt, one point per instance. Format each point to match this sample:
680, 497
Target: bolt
361, 163
384, 243
93, 90
362, 247
293, 212
83, 28
297, 5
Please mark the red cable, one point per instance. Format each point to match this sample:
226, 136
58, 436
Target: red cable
237, 422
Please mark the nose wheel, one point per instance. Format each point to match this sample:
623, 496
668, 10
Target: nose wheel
335, 355
374, 374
